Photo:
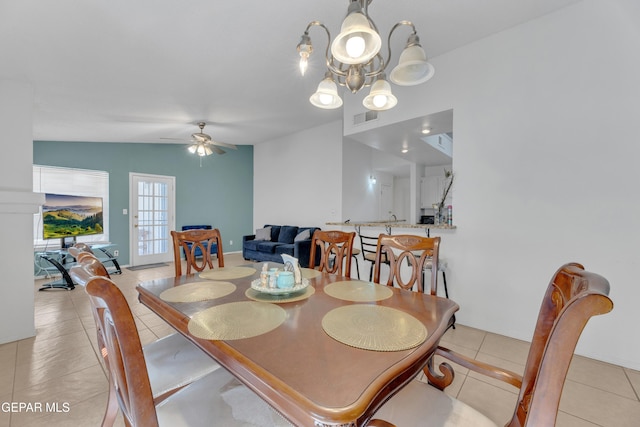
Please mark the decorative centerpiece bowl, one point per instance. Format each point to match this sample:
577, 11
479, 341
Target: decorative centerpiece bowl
257, 285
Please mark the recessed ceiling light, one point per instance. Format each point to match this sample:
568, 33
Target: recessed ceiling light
404, 150
426, 131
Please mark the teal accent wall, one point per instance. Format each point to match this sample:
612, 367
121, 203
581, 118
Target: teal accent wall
219, 193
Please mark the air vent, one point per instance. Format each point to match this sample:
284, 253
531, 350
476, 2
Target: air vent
368, 116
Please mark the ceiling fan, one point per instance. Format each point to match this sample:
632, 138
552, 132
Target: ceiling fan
203, 145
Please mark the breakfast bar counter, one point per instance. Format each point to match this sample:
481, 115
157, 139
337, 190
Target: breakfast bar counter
388, 225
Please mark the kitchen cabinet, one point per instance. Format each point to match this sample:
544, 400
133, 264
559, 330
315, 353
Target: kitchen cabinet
431, 189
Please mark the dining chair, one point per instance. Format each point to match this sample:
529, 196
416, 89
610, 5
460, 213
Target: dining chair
572, 298
172, 361
79, 253
336, 249
369, 246
193, 241
81, 248
420, 253
354, 254
215, 399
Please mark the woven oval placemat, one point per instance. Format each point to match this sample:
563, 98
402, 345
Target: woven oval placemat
358, 291
198, 291
309, 273
373, 327
236, 320
264, 297
227, 273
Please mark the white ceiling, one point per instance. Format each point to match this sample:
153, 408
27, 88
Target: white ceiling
139, 71
408, 134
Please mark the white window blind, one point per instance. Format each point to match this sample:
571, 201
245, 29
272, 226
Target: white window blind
77, 182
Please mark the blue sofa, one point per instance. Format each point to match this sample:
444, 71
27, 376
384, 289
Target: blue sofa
198, 252
282, 241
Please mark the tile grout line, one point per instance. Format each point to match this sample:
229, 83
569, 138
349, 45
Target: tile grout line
626, 374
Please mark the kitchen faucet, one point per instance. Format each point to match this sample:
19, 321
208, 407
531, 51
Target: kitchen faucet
395, 218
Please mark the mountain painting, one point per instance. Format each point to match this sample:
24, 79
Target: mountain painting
68, 216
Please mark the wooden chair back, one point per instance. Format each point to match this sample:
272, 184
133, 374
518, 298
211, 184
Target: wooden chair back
80, 250
336, 249
572, 298
126, 365
87, 267
192, 240
419, 252
83, 247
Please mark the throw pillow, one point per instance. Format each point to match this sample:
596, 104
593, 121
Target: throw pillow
303, 235
287, 233
263, 234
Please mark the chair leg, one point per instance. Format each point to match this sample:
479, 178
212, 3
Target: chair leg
357, 266
444, 280
446, 293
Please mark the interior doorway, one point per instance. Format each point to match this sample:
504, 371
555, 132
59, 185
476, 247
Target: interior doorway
152, 214
386, 201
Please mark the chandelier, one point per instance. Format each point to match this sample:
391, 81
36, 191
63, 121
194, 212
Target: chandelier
353, 60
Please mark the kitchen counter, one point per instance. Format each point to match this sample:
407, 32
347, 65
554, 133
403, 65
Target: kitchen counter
388, 225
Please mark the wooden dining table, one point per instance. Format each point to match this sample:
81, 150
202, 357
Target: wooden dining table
306, 375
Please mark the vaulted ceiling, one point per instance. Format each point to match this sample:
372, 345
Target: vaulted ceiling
139, 71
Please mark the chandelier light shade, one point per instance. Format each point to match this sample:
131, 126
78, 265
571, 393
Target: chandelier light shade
326, 95
412, 68
354, 60
380, 98
357, 42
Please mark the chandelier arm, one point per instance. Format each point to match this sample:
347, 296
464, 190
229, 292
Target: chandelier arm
328, 58
396, 26
375, 71
326, 30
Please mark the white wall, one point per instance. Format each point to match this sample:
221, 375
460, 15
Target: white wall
18, 203
360, 196
297, 179
401, 198
545, 155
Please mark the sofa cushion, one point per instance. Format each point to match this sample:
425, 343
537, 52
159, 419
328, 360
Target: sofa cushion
285, 248
267, 247
275, 231
263, 234
303, 235
287, 234
252, 245
311, 230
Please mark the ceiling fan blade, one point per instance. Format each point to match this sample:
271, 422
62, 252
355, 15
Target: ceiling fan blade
217, 150
223, 144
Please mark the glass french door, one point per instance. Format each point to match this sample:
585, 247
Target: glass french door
152, 208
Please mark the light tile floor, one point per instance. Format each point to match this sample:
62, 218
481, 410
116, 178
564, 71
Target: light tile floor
60, 370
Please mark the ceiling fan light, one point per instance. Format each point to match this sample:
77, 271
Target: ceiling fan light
357, 42
193, 148
380, 97
326, 96
412, 68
